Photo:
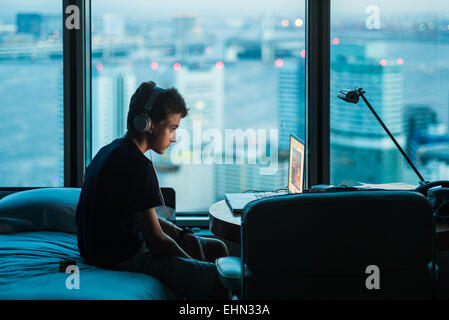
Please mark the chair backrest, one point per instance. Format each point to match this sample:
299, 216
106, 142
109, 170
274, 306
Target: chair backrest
169, 197
313, 246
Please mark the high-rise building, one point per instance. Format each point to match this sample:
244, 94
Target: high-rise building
267, 34
185, 27
202, 87
51, 26
434, 161
113, 25
112, 91
188, 36
291, 112
432, 151
361, 151
29, 23
417, 119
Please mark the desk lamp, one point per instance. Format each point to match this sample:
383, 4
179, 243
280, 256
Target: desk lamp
353, 96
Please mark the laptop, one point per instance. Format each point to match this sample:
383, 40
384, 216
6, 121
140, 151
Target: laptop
237, 201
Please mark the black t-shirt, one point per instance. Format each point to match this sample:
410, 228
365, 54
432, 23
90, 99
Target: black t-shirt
119, 182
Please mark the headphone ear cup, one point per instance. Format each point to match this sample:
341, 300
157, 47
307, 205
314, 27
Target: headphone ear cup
142, 123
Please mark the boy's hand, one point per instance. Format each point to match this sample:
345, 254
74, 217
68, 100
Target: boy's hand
192, 245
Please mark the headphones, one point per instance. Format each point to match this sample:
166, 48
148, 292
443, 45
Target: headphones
142, 121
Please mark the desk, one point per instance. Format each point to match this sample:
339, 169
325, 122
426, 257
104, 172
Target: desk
224, 224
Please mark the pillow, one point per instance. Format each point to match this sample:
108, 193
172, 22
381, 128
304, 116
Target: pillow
39, 209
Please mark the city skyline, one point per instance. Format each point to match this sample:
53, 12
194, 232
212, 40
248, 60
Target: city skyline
340, 7
253, 65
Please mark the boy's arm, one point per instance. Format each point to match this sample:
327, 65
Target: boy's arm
170, 229
155, 238
191, 244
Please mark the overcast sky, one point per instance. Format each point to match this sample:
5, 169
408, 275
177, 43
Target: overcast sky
142, 8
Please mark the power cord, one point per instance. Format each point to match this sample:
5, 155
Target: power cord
280, 190
180, 235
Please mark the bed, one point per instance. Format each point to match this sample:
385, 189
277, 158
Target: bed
37, 231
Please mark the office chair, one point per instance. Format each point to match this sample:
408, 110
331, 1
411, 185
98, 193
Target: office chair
321, 246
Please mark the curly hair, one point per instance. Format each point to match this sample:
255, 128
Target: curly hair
168, 102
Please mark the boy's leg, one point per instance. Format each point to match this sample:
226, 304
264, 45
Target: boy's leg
191, 279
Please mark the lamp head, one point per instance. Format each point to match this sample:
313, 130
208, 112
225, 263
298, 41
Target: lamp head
351, 96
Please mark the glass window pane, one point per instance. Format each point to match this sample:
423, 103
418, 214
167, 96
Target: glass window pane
31, 94
397, 51
239, 66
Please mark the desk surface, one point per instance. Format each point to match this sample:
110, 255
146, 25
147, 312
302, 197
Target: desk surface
224, 224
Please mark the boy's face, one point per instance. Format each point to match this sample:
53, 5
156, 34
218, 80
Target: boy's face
164, 133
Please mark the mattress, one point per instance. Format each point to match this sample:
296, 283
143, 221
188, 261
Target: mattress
29, 270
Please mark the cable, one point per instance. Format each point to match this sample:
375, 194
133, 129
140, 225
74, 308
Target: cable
179, 240
264, 191
172, 224
163, 204
281, 190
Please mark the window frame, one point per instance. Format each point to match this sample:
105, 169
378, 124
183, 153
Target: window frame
77, 63
318, 17
77, 94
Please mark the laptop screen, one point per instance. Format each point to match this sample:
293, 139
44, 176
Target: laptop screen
296, 165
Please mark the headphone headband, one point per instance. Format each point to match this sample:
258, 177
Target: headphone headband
154, 94
142, 121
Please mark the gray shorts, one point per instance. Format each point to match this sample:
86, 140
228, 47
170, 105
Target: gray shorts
186, 278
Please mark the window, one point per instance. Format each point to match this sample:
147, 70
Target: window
241, 69
31, 94
397, 51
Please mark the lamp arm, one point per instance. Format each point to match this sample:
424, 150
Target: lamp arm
391, 136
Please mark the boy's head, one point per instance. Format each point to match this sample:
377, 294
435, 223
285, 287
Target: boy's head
166, 112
